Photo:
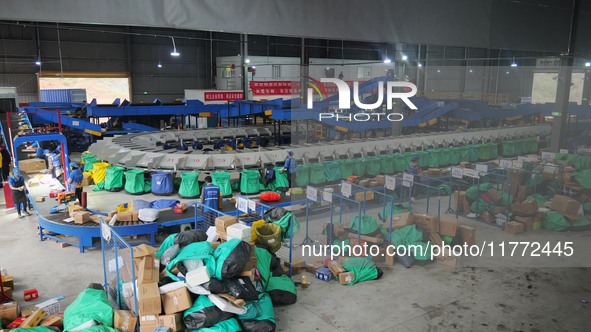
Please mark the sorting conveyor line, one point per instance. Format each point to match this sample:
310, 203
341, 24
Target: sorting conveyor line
111, 149
75, 123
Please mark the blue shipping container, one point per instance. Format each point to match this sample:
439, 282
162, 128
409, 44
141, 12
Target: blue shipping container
63, 95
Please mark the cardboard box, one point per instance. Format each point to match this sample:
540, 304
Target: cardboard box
467, 234
32, 165
124, 320
364, 196
448, 226
96, 218
148, 323
566, 205
26, 312
222, 222
148, 270
528, 223
514, 227
34, 319
346, 278
523, 192
487, 217
7, 291
56, 321
335, 268
526, 208
426, 222
451, 261
174, 322
8, 281
86, 179
9, 311
176, 301
400, 220
499, 210
74, 208
80, 217
128, 216
149, 299
458, 198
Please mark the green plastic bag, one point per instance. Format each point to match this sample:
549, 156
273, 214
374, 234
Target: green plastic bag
189, 185
332, 171
34, 329
425, 158
284, 223
167, 243
505, 200
229, 257
422, 251
386, 164
359, 167
464, 153
91, 304
262, 309
147, 186
89, 163
387, 211
454, 156
406, 235
400, 162
249, 181
473, 192
134, 181
554, 221
317, 174
434, 158
479, 206
366, 225
281, 180
372, 166
583, 178
445, 157
222, 180
196, 250
509, 149
209, 315
282, 290
539, 199
363, 269
587, 207
114, 178
346, 167
263, 265
99, 186
228, 325
302, 175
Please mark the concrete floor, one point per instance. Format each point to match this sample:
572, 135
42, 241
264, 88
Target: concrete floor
486, 294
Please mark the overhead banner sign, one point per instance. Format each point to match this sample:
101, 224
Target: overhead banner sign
223, 96
269, 88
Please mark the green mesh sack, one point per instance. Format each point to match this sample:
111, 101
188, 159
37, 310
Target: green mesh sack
317, 174
400, 164
444, 157
454, 156
435, 157
249, 181
367, 224
346, 167
91, 304
386, 164
114, 178
189, 187
479, 206
554, 221
373, 166
473, 192
222, 180
464, 153
134, 181
281, 180
363, 269
332, 171
89, 163
473, 152
358, 167
583, 178
302, 175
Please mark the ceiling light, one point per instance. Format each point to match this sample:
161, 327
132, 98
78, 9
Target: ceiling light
439, 70
386, 60
38, 62
247, 60
420, 64
174, 52
404, 58
507, 73
587, 64
513, 64
470, 70
159, 64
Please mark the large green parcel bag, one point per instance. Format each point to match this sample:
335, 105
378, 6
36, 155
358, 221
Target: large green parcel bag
259, 316
249, 181
134, 181
317, 174
302, 175
346, 168
363, 269
222, 180
91, 304
204, 314
189, 185
372, 167
282, 290
114, 178
230, 258
332, 171
196, 250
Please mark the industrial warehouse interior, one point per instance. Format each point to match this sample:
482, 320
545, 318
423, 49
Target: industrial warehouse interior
259, 166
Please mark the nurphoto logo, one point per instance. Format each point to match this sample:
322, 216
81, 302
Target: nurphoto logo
345, 100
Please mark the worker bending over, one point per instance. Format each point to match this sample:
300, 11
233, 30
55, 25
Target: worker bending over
75, 180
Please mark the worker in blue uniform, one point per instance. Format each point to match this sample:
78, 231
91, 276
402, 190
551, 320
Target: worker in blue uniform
212, 198
54, 163
290, 165
75, 180
19, 196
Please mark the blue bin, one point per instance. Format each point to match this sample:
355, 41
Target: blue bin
162, 183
